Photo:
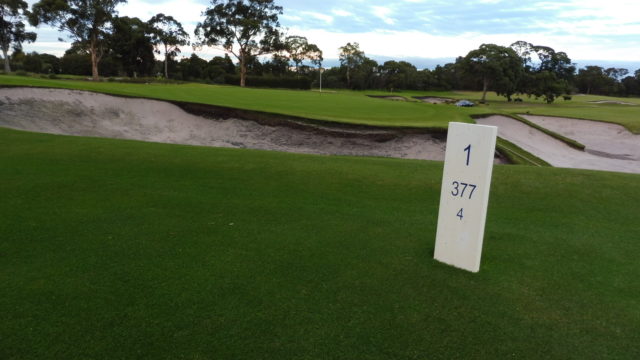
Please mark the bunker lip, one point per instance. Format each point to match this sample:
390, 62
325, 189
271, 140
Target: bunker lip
608, 150
435, 99
82, 113
600, 138
389, 97
611, 102
217, 112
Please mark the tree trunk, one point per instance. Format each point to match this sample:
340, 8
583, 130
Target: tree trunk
94, 59
243, 70
485, 87
5, 54
348, 78
166, 62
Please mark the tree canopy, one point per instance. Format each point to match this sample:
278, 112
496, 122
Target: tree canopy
130, 43
496, 66
299, 49
547, 73
86, 21
350, 58
12, 28
169, 33
244, 28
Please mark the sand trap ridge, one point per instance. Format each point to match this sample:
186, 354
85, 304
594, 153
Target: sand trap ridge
90, 114
612, 102
606, 149
434, 100
601, 138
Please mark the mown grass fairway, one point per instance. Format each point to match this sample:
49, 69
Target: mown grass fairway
355, 107
121, 249
346, 107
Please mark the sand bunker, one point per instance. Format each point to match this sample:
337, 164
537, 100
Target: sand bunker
611, 102
599, 149
89, 114
600, 138
434, 100
395, 98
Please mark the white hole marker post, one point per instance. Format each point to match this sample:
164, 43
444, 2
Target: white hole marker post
464, 197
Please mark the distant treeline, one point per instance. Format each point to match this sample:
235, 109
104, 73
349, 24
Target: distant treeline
363, 74
105, 44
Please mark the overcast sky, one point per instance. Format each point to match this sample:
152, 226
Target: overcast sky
412, 29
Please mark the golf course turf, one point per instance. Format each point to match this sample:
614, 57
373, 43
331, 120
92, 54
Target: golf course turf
354, 107
123, 249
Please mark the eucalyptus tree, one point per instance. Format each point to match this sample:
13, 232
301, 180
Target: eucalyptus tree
299, 49
12, 28
351, 57
169, 33
130, 45
88, 23
547, 73
594, 80
495, 66
245, 28
616, 73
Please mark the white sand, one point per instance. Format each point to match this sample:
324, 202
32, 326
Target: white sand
602, 138
433, 100
559, 154
396, 98
89, 114
612, 102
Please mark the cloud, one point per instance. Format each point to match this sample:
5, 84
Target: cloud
319, 16
584, 29
383, 13
341, 12
413, 43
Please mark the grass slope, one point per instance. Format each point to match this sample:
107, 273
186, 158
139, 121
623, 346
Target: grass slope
121, 249
356, 107
347, 107
580, 107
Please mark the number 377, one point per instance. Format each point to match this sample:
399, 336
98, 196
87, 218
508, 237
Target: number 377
460, 188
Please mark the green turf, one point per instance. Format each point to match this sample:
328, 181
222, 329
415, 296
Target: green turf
515, 155
113, 249
356, 107
348, 107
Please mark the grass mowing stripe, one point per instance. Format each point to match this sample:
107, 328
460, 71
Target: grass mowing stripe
122, 249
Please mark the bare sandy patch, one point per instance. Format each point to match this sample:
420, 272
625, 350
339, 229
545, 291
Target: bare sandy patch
611, 102
385, 97
81, 113
434, 100
556, 152
602, 138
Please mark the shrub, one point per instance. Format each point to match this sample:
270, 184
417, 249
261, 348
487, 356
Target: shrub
22, 73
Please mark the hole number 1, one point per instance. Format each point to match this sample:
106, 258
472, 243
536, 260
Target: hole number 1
468, 151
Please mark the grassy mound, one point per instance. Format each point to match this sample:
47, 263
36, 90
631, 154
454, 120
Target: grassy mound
346, 107
355, 107
122, 249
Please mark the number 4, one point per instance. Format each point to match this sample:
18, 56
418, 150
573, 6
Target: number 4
460, 214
